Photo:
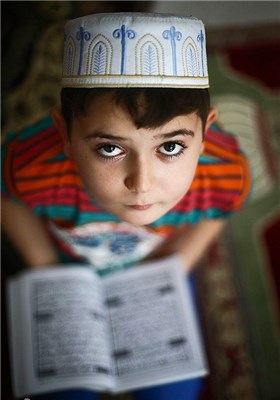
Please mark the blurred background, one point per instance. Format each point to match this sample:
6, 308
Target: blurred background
239, 277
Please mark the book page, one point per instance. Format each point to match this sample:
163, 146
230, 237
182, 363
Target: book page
68, 335
154, 331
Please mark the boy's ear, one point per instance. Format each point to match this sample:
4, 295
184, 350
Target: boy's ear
212, 117
60, 124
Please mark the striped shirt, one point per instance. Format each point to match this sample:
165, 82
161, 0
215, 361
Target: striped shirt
36, 171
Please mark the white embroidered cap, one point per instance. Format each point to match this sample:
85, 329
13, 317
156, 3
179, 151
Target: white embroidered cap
135, 50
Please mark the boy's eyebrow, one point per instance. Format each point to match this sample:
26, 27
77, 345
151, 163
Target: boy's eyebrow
169, 135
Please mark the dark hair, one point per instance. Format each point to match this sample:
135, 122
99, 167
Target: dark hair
148, 107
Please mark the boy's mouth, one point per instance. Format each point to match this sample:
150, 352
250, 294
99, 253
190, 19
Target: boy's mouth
140, 207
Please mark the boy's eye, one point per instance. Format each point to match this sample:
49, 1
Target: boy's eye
171, 148
109, 150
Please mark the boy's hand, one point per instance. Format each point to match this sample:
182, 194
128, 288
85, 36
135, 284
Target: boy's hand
28, 234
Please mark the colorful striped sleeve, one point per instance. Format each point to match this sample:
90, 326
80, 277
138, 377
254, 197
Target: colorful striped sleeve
19, 151
36, 172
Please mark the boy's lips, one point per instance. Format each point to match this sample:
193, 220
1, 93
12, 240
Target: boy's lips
140, 207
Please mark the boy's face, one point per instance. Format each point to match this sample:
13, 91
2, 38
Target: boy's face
135, 174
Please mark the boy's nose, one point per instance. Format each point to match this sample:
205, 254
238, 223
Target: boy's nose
140, 177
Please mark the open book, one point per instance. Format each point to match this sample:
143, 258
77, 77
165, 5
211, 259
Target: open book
71, 328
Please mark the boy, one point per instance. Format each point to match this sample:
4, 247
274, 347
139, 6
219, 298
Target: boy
124, 171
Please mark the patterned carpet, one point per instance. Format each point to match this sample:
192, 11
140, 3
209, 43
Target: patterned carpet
239, 276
